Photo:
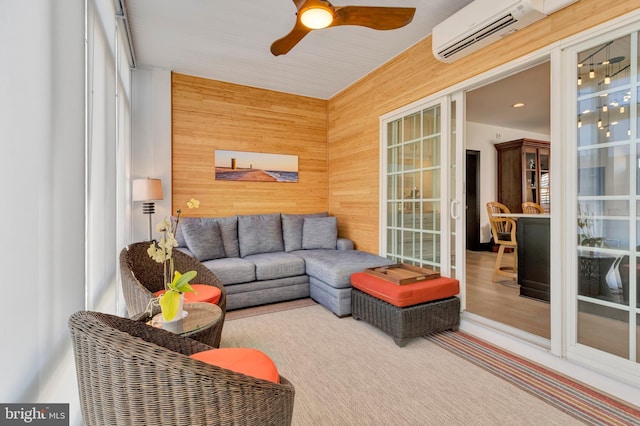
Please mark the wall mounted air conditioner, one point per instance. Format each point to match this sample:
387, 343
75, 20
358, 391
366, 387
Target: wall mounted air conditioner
481, 23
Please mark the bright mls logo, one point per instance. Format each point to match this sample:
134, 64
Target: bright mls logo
34, 414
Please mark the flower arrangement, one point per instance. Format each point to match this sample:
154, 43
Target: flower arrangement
162, 252
586, 225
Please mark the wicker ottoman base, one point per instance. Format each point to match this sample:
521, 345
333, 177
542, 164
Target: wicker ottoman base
404, 324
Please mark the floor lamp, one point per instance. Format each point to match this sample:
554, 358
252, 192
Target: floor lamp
147, 190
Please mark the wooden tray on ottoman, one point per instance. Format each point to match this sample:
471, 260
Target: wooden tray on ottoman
401, 273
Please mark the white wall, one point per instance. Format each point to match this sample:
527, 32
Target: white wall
43, 197
483, 137
151, 156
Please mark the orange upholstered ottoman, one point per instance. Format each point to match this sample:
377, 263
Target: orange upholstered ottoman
406, 311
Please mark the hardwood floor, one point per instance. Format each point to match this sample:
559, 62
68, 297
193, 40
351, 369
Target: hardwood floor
500, 300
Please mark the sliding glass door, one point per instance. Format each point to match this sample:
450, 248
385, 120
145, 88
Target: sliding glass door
420, 211
607, 199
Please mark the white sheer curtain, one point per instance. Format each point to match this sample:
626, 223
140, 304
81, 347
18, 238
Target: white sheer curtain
107, 152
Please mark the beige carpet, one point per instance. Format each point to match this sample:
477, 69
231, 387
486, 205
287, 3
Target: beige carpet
347, 372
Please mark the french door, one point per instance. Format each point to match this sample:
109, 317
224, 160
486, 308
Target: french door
421, 147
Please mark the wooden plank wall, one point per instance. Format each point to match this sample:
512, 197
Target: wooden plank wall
353, 131
337, 140
209, 115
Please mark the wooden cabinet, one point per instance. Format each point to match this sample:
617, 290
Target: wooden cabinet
524, 174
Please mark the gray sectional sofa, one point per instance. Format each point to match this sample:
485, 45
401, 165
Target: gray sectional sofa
267, 258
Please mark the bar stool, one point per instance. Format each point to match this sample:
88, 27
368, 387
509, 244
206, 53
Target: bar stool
529, 207
503, 230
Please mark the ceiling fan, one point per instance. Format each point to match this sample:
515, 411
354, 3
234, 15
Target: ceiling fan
317, 14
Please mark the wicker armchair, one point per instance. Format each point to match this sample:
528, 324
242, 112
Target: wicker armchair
142, 276
130, 373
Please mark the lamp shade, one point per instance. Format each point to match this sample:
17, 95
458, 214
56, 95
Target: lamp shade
147, 189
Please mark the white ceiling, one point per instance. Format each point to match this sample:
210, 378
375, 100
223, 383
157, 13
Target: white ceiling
493, 104
230, 40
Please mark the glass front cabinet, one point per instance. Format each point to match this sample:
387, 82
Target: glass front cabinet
524, 174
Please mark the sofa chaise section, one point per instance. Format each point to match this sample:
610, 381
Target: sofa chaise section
330, 275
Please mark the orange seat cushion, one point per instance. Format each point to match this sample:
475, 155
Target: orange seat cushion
203, 293
250, 362
406, 294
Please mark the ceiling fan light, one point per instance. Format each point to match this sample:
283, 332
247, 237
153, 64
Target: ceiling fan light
316, 17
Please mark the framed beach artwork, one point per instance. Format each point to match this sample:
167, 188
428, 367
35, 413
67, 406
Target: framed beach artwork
255, 166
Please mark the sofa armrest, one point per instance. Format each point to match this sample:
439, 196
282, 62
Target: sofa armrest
344, 244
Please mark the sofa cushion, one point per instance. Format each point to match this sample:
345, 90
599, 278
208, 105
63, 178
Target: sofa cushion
292, 229
203, 239
260, 233
319, 233
270, 266
232, 270
179, 234
247, 361
334, 267
228, 229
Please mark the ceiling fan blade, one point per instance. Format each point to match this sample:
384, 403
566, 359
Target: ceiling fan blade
378, 18
299, 3
286, 43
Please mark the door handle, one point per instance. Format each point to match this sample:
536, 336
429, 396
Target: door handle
455, 214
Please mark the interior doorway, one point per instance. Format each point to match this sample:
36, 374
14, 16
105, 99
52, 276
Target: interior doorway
472, 200
509, 108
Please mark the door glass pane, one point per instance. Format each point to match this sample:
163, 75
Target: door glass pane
411, 127
603, 328
411, 157
431, 124
604, 67
393, 187
544, 184
544, 161
393, 133
431, 216
604, 171
608, 202
393, 158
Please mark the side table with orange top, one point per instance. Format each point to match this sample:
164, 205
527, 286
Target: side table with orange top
203, 293
408, 310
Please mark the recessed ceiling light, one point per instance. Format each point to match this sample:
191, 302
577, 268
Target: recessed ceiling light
518, 105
